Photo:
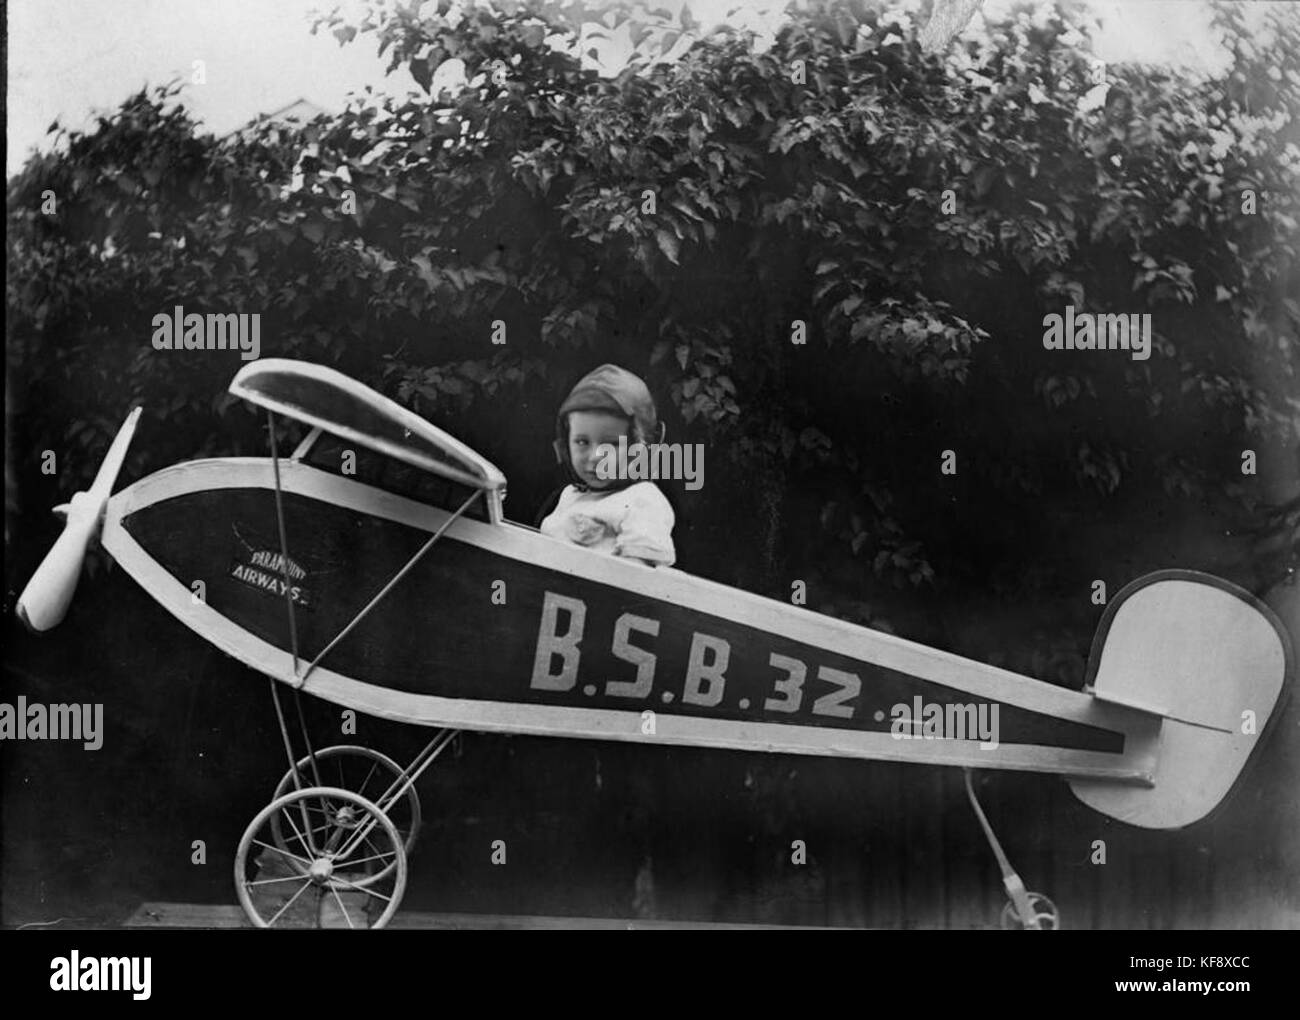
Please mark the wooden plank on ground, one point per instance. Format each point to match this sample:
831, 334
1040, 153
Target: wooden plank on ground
219, 915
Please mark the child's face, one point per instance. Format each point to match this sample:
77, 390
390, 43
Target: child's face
589, 432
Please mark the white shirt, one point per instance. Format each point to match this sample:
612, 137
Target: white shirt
636, 521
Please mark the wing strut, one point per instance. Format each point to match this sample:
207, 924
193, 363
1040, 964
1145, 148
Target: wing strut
293, 631
284, 547
441, 740
410, 564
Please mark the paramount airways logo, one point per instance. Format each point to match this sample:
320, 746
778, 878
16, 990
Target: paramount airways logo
267, 570
278, 563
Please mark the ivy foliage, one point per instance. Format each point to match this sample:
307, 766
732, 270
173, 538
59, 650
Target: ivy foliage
917, 215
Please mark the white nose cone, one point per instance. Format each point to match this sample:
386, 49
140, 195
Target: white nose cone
44, 602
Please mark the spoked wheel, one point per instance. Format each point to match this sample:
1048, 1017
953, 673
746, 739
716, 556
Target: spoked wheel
341, 857
1045, 915
365, 772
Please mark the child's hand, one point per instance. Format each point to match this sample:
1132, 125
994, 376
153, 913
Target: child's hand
586, 530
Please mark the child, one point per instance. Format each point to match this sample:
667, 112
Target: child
609, 515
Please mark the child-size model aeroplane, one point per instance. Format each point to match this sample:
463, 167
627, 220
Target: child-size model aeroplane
373, 567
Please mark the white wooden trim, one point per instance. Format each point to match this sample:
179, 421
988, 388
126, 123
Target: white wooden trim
488, 475
308, 442
1141, 730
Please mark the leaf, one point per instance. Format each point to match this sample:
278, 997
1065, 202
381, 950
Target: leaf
424, 269
984, 178
422, 72
685, 207
668, 244
314, 231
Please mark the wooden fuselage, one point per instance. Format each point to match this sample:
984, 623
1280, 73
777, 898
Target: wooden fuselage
500, 628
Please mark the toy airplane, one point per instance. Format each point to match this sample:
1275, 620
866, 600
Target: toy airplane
374, 568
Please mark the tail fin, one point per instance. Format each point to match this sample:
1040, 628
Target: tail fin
1209, 658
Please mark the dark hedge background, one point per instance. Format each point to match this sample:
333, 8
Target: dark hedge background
388, 239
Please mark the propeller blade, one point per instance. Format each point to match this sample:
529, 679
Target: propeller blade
44, 602
102, 487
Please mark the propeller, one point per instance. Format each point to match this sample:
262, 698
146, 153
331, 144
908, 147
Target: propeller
44, 602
